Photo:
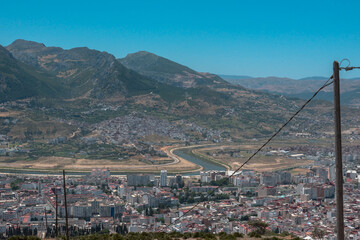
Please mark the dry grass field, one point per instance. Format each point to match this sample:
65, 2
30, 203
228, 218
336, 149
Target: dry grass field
299, 171
236, 155
231, 156
73, 164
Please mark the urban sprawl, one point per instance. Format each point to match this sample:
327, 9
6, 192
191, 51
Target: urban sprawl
100, 203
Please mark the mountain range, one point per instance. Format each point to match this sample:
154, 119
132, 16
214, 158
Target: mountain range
302, 88
81, 71
69, 84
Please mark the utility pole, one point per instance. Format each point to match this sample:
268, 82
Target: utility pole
46, 223
338, 155
56, 214
66, 212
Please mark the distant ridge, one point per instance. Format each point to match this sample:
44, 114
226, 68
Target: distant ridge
233, 77
167, 71
313, 78
303, 88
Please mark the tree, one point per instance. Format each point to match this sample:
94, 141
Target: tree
18, 231
244, 218
260, 226
200, 183
254, 235
318, 233
125, 229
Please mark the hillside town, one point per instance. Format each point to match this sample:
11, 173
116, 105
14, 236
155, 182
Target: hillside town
101, 203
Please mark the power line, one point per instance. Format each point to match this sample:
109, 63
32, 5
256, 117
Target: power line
327, 83
348, 68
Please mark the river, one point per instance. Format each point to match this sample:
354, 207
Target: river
207, 166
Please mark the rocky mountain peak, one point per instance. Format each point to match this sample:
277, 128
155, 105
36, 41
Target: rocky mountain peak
21, 44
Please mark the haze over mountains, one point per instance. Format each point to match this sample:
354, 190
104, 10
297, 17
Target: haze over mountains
81, 78
302, 88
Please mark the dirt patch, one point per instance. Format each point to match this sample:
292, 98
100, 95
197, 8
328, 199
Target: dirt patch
9, 114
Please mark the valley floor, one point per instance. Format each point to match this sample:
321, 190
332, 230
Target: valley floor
230, 156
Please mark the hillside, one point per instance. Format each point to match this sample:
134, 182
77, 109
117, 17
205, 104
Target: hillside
167, 71
95, 77
19, 80
88, 73
82, 105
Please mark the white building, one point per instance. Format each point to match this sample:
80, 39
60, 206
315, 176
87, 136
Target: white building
163, 178
332, 175
81, 210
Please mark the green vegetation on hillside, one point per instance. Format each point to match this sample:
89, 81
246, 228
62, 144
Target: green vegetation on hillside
19, 80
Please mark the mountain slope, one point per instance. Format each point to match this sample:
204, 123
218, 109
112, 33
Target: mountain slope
86, 72
113, 113
93, 74
167, 71
233, 107
97, 78
19, 80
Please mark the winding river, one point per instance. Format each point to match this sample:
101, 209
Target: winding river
207, 166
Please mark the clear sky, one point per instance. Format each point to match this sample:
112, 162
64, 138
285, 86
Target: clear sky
258, 38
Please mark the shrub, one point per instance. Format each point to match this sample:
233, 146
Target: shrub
255, 235
238, 235
24, 238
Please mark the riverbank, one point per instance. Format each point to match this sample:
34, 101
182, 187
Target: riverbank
183, 158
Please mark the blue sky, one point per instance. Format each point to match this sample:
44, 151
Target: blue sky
258, 38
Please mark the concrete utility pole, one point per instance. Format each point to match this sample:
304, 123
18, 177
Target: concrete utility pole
338, 155
66, 212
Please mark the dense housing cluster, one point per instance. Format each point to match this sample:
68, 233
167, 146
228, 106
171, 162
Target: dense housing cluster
100, 202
